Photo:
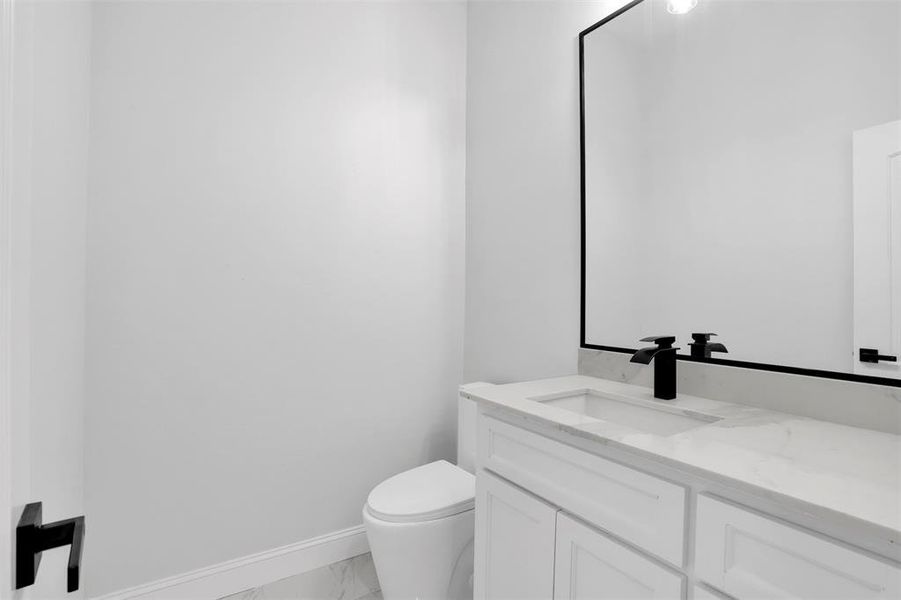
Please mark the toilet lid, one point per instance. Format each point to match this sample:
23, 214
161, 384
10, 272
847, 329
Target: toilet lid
429, 492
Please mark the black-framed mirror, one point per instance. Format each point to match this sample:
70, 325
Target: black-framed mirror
741, 174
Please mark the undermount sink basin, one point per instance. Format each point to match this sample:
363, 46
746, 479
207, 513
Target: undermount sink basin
635, 414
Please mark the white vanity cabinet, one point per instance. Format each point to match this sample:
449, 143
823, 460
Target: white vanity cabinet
556, 521
526, 548
640, 508
750, 556
591, 566
514, 543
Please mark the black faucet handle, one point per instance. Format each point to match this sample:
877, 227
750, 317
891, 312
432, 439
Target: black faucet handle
702, 347
702, 337
663, 341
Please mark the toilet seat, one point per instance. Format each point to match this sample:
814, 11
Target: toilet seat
433, 491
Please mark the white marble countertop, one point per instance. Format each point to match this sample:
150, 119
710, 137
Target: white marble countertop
852, 472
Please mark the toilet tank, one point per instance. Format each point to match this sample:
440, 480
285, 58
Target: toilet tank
466, 427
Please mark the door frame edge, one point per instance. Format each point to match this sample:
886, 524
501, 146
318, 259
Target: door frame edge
7, 46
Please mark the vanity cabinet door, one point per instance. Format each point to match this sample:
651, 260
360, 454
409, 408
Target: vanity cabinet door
750, 557
634, 506
591, 566
514, 542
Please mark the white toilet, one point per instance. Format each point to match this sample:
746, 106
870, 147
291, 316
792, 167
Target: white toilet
420, 524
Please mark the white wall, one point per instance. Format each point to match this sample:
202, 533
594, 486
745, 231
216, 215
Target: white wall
275, 271
522, 191
745, 224
49, 152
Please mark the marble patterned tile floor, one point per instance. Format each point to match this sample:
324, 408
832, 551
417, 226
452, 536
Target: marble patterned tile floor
351, 579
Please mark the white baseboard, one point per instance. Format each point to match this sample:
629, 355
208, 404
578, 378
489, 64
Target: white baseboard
252, 571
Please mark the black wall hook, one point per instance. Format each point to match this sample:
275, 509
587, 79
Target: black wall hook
32, 538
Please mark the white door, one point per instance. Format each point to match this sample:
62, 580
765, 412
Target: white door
43, 116
591, 566
877, 248
514, 542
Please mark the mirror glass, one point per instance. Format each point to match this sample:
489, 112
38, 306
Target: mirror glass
742, 175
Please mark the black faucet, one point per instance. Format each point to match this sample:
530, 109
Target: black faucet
701, 347
664, 366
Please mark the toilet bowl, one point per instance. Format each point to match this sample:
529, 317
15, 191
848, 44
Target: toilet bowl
420, 527
421, 523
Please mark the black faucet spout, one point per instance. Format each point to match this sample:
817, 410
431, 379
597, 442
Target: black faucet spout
702, 347
644, 355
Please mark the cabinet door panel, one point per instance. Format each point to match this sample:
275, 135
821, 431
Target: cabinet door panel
749, 556
639, 508
514, 542
591, 566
